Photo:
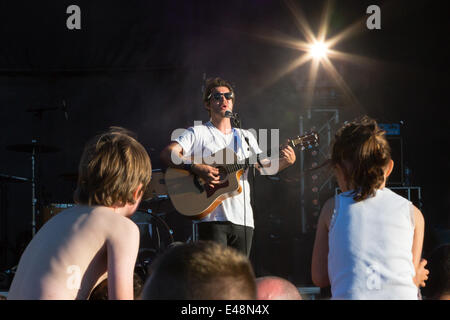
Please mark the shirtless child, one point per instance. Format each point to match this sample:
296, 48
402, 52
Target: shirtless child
82, 245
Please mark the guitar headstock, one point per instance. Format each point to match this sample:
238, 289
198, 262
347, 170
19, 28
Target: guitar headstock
307, 140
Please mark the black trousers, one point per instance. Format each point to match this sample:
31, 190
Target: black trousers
227, 233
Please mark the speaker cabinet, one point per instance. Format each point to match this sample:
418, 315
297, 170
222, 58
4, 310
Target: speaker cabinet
397, 176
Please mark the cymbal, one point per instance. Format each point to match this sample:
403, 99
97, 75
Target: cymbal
28, 147
9, 178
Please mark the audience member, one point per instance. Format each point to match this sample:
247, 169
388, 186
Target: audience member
75, 249
276, 288
369, 239
203, 270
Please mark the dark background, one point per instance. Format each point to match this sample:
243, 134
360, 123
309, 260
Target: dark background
141, 65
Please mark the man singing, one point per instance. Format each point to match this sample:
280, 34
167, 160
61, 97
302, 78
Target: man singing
231, 223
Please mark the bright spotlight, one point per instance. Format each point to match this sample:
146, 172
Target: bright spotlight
318, 50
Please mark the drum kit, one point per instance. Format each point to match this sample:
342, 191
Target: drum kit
156, 235
34, 149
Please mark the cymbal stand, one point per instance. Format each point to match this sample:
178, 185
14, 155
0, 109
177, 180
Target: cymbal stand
38, 113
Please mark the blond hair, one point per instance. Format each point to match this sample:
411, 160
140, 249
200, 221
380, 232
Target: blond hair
204, 270
112, 167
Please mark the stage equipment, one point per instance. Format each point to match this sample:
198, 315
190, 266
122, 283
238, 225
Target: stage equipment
318, 50
155, 237
35, 149
51, 210
400, 175
316, 183
413, 194
5, 179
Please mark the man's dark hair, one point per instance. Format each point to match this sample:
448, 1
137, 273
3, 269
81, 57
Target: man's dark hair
203, 270
212, 83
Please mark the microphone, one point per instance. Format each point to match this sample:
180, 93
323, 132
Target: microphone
234, 118
64, 109
231, 115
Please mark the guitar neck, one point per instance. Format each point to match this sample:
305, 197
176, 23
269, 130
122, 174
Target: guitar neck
230, 168
302, 142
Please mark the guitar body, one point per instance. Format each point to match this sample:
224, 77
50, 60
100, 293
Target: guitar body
192, 197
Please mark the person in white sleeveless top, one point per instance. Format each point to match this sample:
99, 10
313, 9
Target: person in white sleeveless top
369, 240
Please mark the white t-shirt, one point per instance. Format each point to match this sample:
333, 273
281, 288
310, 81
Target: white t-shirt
370, 248
205, 140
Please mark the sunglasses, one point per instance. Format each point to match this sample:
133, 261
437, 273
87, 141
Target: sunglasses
218, 95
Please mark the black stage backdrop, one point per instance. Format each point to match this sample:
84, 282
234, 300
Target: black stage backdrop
141, 65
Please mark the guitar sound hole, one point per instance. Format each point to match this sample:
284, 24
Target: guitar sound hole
222, 173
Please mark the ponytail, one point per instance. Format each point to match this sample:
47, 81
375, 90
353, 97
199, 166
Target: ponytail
363, 145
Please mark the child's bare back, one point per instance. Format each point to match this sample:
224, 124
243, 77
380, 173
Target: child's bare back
68, 256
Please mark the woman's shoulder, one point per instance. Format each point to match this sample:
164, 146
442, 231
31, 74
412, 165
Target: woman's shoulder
327, 211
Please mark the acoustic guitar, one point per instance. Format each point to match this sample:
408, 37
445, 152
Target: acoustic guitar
194, 198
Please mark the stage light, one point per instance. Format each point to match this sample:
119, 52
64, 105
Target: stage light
318, 50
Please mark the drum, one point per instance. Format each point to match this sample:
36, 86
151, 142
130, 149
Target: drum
53, 209
155, 237
157, 186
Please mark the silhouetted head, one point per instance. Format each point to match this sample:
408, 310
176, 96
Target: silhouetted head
203, 270
276, 288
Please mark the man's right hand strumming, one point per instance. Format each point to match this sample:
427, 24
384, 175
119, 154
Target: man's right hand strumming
208, 173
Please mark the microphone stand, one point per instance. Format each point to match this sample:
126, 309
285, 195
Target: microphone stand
237, 123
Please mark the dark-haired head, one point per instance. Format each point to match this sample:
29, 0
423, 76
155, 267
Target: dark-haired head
361, 157
212, 83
